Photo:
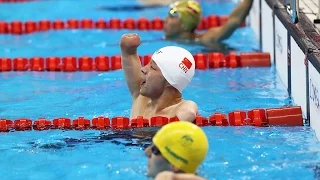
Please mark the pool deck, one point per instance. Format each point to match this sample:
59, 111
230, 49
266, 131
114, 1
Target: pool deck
311, 9
299, 64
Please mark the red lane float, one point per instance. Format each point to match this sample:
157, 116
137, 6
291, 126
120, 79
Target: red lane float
58, 24
72, 24
69, 64
4, 27
61, 123
81, 124
257, 117
102, 63
44, 25
232, 60
218, 119
101, 24
85, 63
120, 123
201, 121
212, 21
216, 60
139, 122
18, 27
100, 123
20, 64
254, 59
5, 64
30, 27
42, 124
115, 23
53, 64
237, 118
129, 24
37, 64
157, 24
22, 124
87, 24
116, 62
5, 125
159, 121
286, 116
201, 61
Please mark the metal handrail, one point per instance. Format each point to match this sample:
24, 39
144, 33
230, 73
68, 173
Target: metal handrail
293, 10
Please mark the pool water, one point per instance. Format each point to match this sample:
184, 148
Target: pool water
52, 94
235, 152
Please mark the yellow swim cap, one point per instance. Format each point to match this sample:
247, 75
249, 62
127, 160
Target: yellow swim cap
183, 144
189, 12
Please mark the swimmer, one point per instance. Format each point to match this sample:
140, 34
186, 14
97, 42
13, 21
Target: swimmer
184, 17
177, 151
156, 89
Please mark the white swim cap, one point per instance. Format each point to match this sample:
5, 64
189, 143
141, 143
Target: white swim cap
176, 64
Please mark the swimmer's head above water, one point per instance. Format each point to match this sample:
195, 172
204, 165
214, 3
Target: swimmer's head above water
170, 66
179, 147
183, 17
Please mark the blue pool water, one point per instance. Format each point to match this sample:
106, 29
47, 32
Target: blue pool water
235, 152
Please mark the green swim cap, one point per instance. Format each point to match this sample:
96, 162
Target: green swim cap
189, 12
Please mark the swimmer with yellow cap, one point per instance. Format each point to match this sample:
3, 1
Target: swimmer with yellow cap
184, 17
178, 147
156, 89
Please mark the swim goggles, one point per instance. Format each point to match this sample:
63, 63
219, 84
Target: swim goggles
155, 150
174, 12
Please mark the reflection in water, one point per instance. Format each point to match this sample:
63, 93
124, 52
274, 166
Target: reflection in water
316, 170
124, 137
128, 7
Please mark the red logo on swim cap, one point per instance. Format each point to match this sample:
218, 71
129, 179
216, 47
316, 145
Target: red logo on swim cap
185, 65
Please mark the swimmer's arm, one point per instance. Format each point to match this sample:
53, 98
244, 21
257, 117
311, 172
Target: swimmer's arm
131, 64
131, 67
236, 18
187, 111
166, 175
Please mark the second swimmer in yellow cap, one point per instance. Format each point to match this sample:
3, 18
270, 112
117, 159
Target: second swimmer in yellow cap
178, 150
184, 17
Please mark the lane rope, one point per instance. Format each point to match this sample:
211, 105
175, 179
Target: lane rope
106, 63
17, 27
284, 116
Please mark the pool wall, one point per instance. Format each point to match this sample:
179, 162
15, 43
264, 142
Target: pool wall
294, 49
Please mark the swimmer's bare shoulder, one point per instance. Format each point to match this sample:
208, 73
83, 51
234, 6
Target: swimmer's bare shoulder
187, 111
167, 175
